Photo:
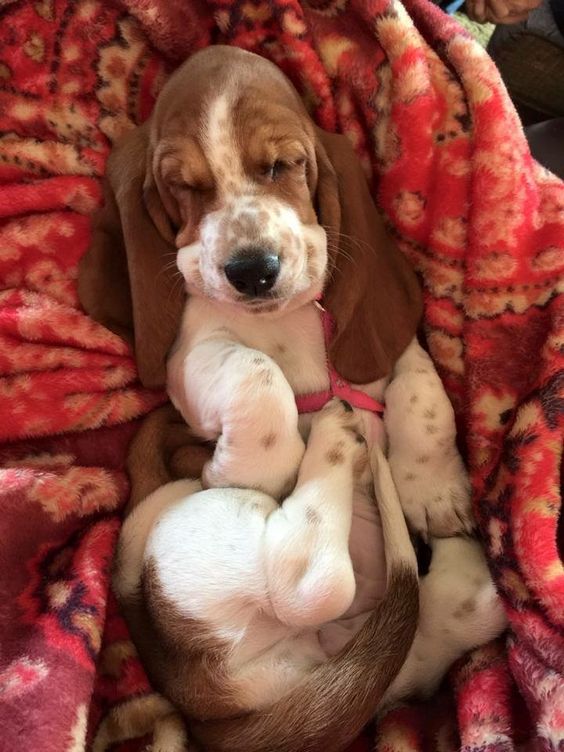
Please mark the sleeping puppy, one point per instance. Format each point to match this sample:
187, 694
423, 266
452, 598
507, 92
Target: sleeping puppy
275, 603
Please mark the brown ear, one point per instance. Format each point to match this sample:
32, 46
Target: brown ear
127, 278
372, 291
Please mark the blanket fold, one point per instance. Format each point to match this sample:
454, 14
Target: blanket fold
482, 223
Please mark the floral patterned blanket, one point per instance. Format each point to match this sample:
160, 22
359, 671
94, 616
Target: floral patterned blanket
483, 224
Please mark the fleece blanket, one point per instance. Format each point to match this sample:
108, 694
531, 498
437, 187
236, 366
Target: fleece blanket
482, 223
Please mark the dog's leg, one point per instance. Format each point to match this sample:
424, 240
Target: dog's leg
309, 570
241, 397
459, 610
427, 468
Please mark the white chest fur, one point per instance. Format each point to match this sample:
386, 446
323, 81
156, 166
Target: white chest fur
294, 340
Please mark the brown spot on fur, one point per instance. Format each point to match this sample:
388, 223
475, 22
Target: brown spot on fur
466, 607
265, 377
312, 518
413, 399
421, 370
287, 239
335, 456
431, 428
268, 441
431, 413
410, 476
422, 459
281, 349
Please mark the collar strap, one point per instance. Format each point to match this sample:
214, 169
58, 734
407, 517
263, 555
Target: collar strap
338, 387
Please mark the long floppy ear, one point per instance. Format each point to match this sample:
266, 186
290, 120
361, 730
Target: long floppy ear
127, 277
372, 291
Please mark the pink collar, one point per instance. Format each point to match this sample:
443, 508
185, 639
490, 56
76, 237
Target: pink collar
338, 387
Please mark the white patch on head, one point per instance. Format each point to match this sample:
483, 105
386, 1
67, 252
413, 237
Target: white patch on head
221, 149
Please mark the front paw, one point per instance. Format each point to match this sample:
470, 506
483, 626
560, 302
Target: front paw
435, 495
339, 422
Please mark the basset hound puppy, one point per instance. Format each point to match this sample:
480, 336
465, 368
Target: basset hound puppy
275, 601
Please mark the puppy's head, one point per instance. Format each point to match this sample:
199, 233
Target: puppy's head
232, 183
237, 173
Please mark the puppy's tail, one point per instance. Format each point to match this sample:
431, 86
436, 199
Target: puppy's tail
329, 709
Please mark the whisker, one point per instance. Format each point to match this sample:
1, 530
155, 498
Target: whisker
173, 290
167, 268
339, 251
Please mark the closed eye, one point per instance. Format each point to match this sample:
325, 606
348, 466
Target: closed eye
277, 168
192, 187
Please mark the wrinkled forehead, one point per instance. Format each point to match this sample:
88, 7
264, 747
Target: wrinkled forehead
230, 106
232, 137
221, 73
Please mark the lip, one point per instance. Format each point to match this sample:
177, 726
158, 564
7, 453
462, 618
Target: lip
268, 307
261, 305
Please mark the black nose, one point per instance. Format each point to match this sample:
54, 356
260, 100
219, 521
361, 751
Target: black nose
253, 272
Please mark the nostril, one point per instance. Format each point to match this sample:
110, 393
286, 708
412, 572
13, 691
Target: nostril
253, 273
239, 284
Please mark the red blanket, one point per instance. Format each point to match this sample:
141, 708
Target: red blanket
482, 223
